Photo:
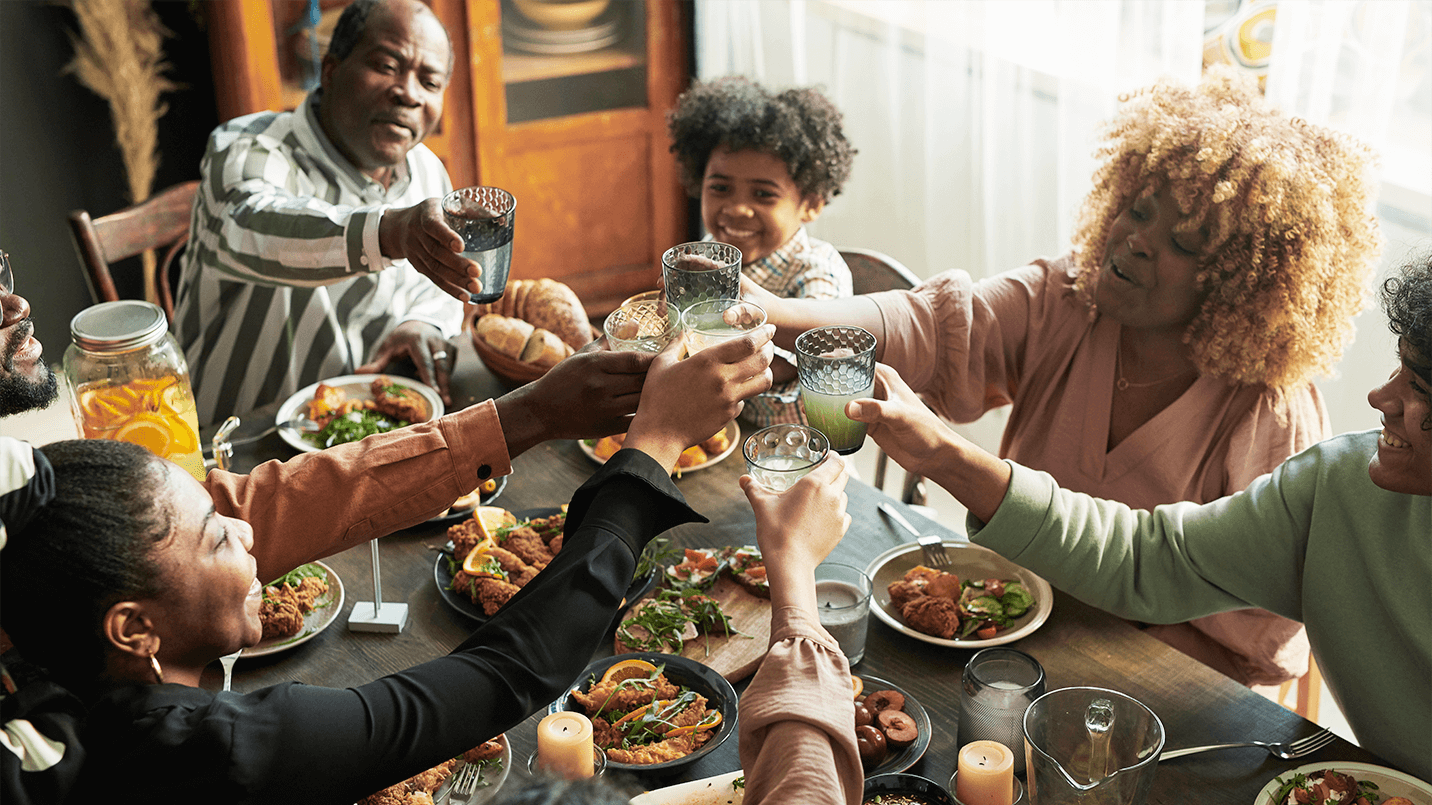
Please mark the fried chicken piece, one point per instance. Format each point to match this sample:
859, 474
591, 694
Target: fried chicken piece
511, 563
903, 592
604, 697
717, 444
528, 546
400, 402
555, 546
932, 615
493, 593
416, 790
659, 752
308, 592
483, 751
280, 617
921, 574
549, 527
465, 536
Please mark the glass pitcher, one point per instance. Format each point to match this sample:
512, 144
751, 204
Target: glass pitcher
1090, 745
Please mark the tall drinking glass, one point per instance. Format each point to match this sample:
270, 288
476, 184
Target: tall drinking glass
842, 597
780, 455
998, 686
716, 320
483, 217
836, 365
698, 271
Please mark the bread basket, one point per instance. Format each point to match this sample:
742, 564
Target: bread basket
543, 303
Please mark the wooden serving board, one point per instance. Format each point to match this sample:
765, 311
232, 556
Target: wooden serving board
738, 656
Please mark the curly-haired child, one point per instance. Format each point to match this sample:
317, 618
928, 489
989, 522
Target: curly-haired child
1217, 266
764, 165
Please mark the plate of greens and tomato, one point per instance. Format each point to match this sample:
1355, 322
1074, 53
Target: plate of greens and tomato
355, 387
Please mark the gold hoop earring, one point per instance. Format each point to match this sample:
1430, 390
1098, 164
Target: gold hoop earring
158, 672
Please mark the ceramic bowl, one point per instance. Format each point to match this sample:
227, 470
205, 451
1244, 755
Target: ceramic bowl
562, 15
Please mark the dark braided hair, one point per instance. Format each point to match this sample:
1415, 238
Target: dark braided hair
1407, 298
87, 549
799, 126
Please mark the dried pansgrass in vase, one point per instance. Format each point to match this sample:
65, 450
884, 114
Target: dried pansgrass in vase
119, 55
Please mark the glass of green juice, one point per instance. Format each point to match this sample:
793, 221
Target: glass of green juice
836, 365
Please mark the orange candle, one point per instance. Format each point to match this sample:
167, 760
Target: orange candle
986, 774
564, 745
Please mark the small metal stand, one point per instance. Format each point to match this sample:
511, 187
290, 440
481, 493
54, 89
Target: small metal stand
378, 616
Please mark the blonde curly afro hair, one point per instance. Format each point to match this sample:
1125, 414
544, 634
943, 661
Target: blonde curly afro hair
1287, 211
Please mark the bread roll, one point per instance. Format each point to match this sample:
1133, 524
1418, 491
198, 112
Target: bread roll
553, 306
544, 348
504, 334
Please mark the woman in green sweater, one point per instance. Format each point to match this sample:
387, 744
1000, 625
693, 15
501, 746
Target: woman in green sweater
1344, 536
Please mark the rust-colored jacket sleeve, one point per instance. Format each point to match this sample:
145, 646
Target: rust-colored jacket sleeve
798, 719
317, 504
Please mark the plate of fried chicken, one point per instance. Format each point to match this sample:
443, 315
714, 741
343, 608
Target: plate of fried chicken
297, 607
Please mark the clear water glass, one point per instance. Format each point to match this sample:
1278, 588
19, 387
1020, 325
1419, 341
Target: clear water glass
483, 217
780, 455
842, 597
836, 365
718, 320
715, 274
639, 327
997, 687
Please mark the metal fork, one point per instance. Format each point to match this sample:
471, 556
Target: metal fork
1286, 750
465, 783
932, 546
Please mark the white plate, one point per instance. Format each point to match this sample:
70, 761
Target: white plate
356, 387
967, 561
486, 792
708, 791
1390, 783
733, 432
325, 611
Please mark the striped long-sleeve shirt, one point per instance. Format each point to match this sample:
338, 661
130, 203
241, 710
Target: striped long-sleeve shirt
283, 282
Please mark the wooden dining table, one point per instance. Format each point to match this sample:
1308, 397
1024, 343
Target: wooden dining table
1077, 646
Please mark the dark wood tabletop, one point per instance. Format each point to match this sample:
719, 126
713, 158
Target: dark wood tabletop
1078, 645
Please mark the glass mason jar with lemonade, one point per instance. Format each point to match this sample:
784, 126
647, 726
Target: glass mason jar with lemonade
129, 382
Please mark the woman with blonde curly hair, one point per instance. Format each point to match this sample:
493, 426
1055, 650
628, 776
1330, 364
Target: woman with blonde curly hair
1217, 266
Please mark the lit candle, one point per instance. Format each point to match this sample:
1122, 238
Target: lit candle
564, 744
986, 774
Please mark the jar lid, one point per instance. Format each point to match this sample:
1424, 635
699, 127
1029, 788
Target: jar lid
118, 326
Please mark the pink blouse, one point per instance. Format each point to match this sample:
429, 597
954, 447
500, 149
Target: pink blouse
1022, 338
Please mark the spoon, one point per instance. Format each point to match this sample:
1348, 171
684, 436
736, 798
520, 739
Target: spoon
228, 662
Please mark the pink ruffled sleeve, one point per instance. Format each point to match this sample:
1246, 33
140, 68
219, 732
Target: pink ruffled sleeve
798, 719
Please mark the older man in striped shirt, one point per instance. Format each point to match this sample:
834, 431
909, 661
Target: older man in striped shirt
317, 245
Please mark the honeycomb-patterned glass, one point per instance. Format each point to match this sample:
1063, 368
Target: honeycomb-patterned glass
717, 276
484, 217
836, 360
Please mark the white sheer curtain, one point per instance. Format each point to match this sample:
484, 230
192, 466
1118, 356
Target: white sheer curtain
975, 121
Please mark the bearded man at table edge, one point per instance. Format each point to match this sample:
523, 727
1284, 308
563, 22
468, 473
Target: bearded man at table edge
1345, 535
362, 490
317, 242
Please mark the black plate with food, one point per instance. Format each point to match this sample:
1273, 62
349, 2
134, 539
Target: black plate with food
905, 789
680, 671
443, 573
895, 759
457, 514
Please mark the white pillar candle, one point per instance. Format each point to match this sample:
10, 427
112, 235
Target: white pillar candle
564, 744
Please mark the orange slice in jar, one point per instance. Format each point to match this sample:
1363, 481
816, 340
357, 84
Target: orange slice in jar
149, 432
628, 669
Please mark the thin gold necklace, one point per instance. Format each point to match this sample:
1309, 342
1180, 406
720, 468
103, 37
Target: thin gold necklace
1124, 385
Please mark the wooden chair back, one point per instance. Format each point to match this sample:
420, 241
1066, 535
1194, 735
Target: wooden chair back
872, 271
159, 223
